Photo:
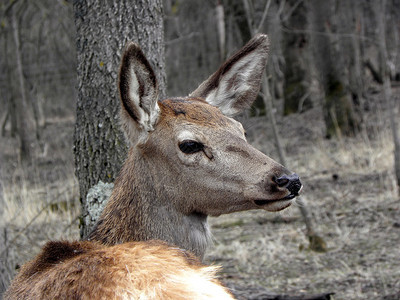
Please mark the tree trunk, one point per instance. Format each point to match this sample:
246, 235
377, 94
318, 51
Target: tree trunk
20, 101
339, 114
8, 93
103, 29
356, 72
37, 110
295, 84
394, 116
220, 16
237, 10
380, 8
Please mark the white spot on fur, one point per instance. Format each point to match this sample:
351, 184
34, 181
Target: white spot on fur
185, 135
200, 235
201, 283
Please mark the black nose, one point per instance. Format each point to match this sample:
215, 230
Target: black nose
291, 182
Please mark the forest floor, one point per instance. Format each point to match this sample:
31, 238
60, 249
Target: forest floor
349, 187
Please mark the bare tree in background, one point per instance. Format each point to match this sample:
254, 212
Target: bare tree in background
21, 99
295, 39
194, 42
339, 114
380, 10
9, 115
354, 20
33, 68
103, 29
220, 18
316, 242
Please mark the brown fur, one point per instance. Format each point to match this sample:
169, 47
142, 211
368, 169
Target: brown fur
193, 110
88, 270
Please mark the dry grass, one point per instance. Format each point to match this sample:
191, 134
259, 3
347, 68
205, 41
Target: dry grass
349, 187
32, 215
39, 202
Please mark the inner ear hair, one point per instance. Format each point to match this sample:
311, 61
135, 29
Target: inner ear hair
235, 85
138, 91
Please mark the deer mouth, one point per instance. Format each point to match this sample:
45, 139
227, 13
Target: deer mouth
263, 202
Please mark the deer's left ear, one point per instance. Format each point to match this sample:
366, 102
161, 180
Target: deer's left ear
235, 85
138, 92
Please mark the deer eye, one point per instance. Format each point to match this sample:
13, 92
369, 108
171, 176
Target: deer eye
190, 147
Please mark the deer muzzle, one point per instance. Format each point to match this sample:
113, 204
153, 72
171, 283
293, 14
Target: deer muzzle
291, 183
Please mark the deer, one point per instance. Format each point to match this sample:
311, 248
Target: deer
188, 159
134, 270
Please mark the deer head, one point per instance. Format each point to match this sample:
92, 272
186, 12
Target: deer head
189, 158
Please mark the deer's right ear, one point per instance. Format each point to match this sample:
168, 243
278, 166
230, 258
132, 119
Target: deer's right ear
138, 92
235, 85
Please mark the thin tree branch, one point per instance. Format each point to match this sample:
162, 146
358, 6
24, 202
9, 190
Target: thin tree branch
291, 11
264, 16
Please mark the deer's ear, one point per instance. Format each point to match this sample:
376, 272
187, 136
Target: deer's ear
235, 85
138, 92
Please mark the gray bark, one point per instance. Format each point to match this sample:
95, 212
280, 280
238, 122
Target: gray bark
394, 116
356, 72
339, 113
387, 90
10, 115
103, 29
296, 81
20, 100
219, 13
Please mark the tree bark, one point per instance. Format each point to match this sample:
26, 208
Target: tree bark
339, 113
356, 68
103, 29
220, 16
295, 43
20, 101
8, 93
394, 116
380, 8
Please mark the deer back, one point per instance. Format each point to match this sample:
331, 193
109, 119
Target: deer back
88, 270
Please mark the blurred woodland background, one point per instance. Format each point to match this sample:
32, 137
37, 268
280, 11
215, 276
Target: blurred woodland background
328, 109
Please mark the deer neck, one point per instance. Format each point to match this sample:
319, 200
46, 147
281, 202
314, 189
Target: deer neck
140, 210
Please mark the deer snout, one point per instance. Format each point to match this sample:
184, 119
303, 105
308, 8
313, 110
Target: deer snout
290, 182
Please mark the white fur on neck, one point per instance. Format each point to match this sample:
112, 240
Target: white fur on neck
199, 235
